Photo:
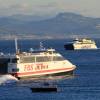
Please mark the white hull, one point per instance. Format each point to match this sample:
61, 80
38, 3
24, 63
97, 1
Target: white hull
41, 69
84, 46
81, 44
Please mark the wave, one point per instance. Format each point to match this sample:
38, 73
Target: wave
7, 79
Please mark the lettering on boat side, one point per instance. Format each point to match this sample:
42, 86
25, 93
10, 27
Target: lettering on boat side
31, 67
41, 67
28, 67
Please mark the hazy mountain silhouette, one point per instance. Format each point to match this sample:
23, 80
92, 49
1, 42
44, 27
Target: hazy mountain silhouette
63, 23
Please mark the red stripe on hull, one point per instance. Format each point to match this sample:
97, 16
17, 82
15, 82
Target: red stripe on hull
42, 71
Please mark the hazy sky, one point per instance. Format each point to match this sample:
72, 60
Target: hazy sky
50, 7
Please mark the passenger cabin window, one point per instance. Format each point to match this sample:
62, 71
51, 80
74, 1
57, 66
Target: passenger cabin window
50, 52
27, 59
15, 70
43, 59
55, 58
4, 60
48, 58
14, 60
55, 52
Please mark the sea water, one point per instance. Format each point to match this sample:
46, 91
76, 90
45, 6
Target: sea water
84, 85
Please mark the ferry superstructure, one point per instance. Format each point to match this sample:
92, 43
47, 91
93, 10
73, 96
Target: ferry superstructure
78, 44
41, 63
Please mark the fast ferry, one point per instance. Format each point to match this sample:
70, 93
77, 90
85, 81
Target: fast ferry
46, 62
78, 44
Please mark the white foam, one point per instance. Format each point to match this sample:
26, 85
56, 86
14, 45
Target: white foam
7, 79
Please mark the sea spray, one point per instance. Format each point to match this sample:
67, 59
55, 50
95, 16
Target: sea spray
7, 79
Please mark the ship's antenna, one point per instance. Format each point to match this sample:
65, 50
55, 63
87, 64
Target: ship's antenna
41, 46
16, 46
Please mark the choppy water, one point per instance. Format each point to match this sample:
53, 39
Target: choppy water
85, 85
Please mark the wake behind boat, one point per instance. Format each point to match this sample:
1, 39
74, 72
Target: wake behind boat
44, 63
7, 79
79, 44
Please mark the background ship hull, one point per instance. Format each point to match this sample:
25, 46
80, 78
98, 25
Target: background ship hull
79, 46
69, 47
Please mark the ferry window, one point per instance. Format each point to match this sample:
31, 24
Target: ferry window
54, 51
50, 52
15, 70
4, 60
43, 59
8, 60
14, 60
58, 58
27, 59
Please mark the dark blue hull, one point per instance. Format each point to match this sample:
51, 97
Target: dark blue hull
69, 46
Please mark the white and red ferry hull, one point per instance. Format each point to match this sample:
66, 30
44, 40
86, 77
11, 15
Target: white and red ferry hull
41, 69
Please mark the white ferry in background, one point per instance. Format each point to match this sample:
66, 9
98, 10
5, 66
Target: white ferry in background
78, 44
45, 62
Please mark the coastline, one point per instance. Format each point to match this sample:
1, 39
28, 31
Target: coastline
46, 36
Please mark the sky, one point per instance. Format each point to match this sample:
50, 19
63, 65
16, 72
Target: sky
49, 7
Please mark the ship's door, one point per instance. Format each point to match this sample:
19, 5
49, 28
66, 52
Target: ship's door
4, 66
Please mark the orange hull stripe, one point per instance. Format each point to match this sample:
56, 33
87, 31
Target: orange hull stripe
45, 71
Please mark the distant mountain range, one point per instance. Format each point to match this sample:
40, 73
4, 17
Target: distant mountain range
61, 24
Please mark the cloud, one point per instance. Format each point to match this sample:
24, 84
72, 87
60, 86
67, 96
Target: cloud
40, 7
20, 7
85, 7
